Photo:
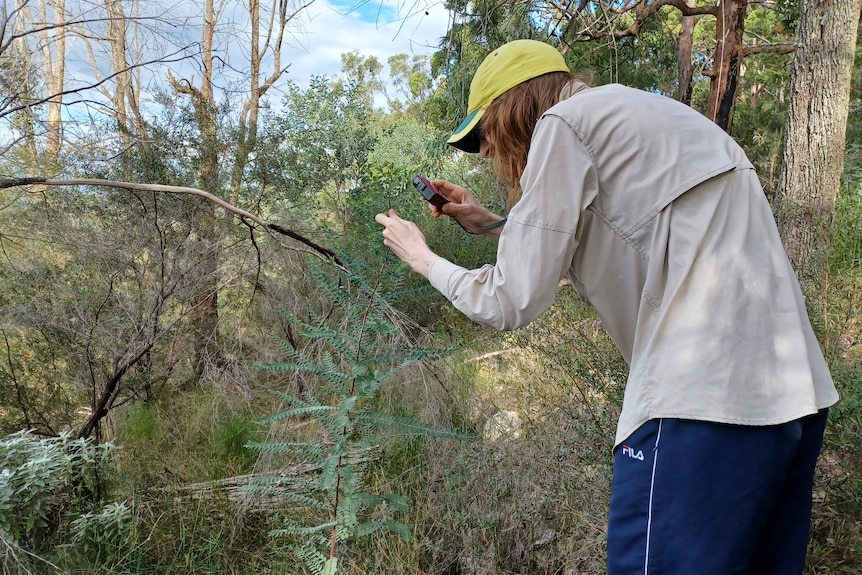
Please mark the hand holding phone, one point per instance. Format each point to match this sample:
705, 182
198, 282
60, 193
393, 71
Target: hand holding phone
466, 206
429, 192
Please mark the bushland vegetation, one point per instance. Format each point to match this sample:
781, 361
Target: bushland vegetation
187, 390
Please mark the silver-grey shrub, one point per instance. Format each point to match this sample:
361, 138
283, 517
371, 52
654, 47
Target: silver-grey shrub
44, 481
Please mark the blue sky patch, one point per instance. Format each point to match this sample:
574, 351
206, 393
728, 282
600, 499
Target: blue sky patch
372, 11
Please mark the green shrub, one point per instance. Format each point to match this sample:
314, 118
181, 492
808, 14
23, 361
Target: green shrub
345, 356
103, 531
44, 481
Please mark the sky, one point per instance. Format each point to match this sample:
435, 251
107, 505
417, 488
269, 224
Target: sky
318, 37
380, 28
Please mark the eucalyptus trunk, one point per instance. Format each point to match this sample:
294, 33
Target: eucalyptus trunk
814, 141
685, 70
54, 69
729, 32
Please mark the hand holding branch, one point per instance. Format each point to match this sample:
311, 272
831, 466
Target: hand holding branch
407, 241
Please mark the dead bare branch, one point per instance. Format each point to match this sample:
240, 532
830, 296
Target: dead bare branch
49, 97
243, 214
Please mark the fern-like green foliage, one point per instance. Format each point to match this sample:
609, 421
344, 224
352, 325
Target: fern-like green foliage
346, 353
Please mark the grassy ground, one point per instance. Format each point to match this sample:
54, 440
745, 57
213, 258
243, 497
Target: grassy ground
529, 497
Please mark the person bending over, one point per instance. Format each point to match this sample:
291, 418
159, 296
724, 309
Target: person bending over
659, 221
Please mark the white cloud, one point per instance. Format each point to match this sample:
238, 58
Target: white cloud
317, 38
372, 29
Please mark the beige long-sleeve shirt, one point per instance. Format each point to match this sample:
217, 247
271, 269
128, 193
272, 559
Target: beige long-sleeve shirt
658, 219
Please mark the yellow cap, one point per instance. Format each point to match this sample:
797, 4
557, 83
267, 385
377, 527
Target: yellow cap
501, 70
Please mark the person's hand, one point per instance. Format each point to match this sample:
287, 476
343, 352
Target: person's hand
407, 241
462, 205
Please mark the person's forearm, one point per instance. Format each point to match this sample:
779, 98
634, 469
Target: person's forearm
421, 263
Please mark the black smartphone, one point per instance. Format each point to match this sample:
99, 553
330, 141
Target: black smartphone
429, 192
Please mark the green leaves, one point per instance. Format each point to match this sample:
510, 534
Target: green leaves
408, 426
43, 479
344, 357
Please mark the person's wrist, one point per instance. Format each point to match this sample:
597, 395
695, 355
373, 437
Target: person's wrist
422, 263
493, 226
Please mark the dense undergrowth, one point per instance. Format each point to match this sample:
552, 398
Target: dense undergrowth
528, 494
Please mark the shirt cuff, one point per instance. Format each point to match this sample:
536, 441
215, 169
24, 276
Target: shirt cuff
439, 273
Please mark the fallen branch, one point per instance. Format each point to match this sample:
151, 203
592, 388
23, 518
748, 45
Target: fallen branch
262, 490
16, 182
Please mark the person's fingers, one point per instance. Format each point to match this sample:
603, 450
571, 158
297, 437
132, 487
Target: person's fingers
453, 209
454, 192
386, 219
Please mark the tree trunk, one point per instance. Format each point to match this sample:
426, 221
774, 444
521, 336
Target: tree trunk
815, 134
729, 29
117, 38
685, 71
209, 229
729, 50
277, 23
209, 233
247, 133
20, 52
54, 69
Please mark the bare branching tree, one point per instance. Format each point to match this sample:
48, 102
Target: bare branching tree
148, 282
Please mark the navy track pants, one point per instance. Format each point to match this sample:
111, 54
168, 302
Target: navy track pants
700, 498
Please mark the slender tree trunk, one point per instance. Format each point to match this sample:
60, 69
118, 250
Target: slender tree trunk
730, 26
727, 58
210, 230
20, 53
685, 71
54, 69
209, 233
117, 38
278, 19
247, 136
815, 135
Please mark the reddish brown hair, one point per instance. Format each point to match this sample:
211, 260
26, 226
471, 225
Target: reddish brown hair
509, 123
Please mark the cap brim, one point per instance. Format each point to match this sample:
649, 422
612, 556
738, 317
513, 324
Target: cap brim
466, 136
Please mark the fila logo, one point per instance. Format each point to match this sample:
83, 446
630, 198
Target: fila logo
631, 453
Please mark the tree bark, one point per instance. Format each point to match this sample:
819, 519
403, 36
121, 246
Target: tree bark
729, 34
247, 135
730, 28
685, 71
19, 86
814, 139
210, 234
123, 80
54, 70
